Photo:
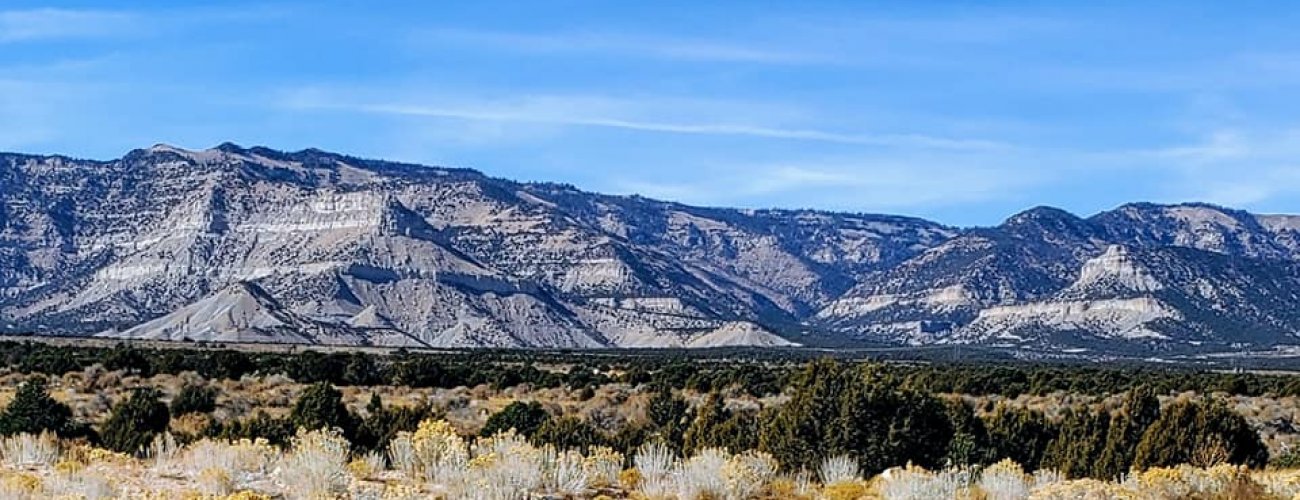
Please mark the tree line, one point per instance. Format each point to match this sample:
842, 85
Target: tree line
754, 374
833, 408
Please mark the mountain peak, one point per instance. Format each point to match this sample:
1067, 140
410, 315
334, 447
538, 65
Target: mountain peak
229, 147
1039, 215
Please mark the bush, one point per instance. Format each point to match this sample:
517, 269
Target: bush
382, 424
33, 411
135, 421
1201, 433
194, 398
524, 418
669, 416
321, 407
568, 433
261, 425
834, 410
1019, 434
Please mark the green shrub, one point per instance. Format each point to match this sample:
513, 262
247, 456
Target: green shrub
321, 407
524, 418
382, 423
568, 433
135, 421
1201, 433
33, 411
260, 426
194, 398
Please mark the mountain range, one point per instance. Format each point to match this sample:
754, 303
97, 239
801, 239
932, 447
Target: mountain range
235, 244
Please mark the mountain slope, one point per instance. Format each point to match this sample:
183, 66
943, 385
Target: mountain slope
253, 244
1149, 276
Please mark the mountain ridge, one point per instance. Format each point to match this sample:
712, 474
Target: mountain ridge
452, 257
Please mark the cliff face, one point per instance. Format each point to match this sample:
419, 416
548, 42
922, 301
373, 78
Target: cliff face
255, 244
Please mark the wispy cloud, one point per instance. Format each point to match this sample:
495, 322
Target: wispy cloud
594, 43
1228, 166
614, 114
50, 24
867, 184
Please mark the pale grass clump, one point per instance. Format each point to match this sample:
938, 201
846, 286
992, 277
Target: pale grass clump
163, 450
564, 472
504, 466
367, 466
1279, 483
214, 482
1005, 480
655, 464
603, 466
29, 451
1212, 479
433, 453
20, 486
915, 483
82, 484
748, 472
1086, 489
315, 465
243, 461
838, 469
1047, 477
701, 476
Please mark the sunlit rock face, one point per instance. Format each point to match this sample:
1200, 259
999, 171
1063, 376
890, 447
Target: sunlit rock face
256, 245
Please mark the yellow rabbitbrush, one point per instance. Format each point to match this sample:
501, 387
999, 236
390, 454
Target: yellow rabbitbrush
435, 461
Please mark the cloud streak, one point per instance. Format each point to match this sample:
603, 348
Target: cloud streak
595, 43
583, 112
866, 184
53, 24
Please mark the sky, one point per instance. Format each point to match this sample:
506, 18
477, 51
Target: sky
962, 112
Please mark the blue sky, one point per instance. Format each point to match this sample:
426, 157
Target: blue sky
962, 112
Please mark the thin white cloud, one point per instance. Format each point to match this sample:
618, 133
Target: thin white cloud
617, 114
1233, 167
51, 24
657, 47
868, 184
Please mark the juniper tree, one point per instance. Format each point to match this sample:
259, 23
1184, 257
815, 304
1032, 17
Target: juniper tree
33, 411
524, 417
321, 406
1140, 409
135, 421
1200, 433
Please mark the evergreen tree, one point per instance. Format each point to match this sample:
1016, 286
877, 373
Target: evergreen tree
524, 418
885, 428
1199, 433
568, 433
383, 423
262, 425
320, 407
134, 422
1019, 434
194, 398
33, 411
836, 410
798, 432
969, 446
1078, 444
702, 433
669, 416
1141, 408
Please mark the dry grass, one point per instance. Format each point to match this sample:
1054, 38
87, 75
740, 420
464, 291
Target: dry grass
435, 462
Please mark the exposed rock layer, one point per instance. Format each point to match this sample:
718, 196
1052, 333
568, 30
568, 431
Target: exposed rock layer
235, 244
